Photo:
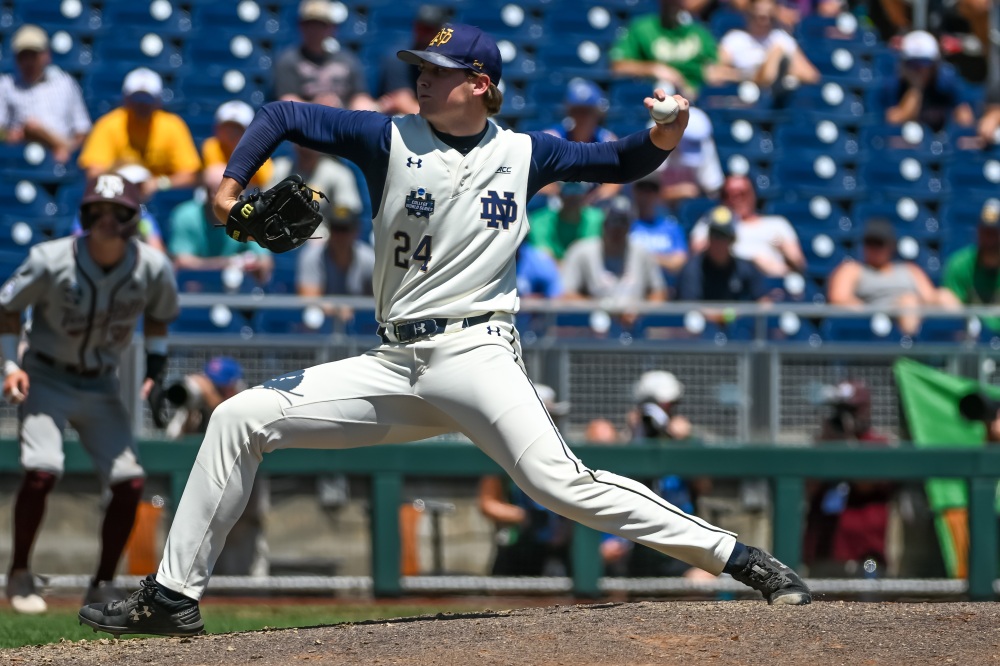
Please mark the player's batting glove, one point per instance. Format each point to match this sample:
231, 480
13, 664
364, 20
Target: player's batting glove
280, 219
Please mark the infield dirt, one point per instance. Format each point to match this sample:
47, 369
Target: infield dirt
635, 634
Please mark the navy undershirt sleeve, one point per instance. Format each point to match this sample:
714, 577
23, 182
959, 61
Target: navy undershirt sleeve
362, 137
554, 159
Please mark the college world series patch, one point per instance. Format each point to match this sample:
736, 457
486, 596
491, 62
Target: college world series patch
419, 203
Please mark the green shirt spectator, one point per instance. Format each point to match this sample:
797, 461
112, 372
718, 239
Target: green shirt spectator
555, 230
972, 274
670, 47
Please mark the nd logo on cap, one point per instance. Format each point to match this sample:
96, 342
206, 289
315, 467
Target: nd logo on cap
442, 38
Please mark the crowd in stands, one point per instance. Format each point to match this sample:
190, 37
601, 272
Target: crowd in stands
773, 194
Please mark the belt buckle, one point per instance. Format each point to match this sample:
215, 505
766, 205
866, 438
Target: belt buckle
416, 329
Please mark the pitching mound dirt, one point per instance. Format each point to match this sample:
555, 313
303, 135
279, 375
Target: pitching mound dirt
684, 633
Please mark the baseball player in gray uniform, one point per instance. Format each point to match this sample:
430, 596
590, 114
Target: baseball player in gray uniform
86, 295
450, 190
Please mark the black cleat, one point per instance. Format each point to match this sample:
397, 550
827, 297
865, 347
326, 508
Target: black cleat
145, 611
777, 582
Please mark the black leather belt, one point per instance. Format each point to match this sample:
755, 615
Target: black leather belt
68, 367
414, 330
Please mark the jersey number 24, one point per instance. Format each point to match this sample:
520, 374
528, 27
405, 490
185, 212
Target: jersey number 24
421, 253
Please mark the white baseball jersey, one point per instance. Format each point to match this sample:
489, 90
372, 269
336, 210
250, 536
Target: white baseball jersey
449, 224
82, 315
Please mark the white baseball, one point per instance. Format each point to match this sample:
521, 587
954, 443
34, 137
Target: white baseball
664, 112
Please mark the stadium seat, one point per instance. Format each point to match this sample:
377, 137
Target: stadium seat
829, 101
144, 16
691, 210
743, 137
33, 163
503, 21
844, 29
131, 48
973, 175
282, 321
229, 49
840, 63
895, 174
26, 231
723, 20
576, 58
690, 327
252, 18
733, 101
596, 22
818, 212
948, 330
860, 329
218, 319
70, 53
909, 216
908, 137
792, 328
799, 140
820, 176
55, 16
822, 250
23, 197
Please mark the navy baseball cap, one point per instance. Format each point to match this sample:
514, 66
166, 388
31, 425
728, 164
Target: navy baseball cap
460, 46
581, 92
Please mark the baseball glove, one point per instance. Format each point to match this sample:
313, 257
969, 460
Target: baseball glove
280, 219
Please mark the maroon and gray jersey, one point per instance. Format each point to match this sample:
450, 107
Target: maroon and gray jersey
82, 315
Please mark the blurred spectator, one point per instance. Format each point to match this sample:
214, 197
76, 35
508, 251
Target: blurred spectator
989, 123
196, 396
763, 53
39, 101
769, 241
554, 229
655, 230
613, 266
879, 279
318, 69
602, 431
585, 106
341, 265
530, 539
149, 227
195, 243
669, 47
537, 273
657, 394
140, 132
972, 274
397, 83
716, 274
324, 173
846, 523
693, 168
231, 121
927, 90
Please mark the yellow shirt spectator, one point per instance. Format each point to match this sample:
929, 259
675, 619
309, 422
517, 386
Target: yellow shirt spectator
212, 152
161, 142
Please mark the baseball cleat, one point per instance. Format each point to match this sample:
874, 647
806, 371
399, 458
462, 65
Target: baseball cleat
777, 582
145, 611
23, 595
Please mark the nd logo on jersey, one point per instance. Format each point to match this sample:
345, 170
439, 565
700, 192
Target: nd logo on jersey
498, 211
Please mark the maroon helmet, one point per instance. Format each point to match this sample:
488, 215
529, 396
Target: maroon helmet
113, 188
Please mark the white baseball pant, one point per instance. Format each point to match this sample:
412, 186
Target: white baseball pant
470, 381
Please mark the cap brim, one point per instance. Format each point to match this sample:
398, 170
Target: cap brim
414, 57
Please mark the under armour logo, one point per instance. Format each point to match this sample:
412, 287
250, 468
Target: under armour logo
110, 185
134, 615
493, 330
504, 169
414, 162
498, 211
420, 328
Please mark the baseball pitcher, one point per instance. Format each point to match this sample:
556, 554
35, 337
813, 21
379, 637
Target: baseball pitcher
86, 295
450, 189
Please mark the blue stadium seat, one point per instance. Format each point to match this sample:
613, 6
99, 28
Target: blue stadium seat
131, 16
818, 212
856, 329
139, 48
33, 163
743, 137
282, 321
229, 49
507, 21
729, 102
691, 210
903, 138
26, 231
839, 63
944, 330
902, 174
723, 20
215, 320
22, 197
10, 259
261, 23
973, 175
820, 176
792, 328
909, 216
70, 53
205, 90
523, 64
674, 328
50, 16
833, 30
595, 22
822, 250
804, 138
396, 18
576, 58
830, 101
